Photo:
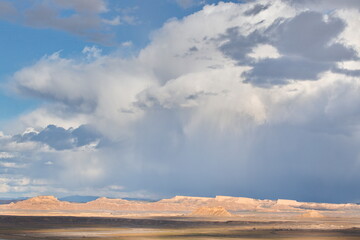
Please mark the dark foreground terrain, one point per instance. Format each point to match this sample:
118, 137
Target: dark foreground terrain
42, 227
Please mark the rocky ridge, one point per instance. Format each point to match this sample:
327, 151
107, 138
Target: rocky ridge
175, 204
211, 212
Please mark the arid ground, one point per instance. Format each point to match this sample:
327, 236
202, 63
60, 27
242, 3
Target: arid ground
26, 227
178, 218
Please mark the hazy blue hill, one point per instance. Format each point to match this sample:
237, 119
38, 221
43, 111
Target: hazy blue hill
74, 198
78, 199
7, 201
141, 199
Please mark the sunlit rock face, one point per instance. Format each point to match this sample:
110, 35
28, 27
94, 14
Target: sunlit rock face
211, 211
180, 205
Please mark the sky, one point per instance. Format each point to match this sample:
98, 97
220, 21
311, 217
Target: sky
152, 99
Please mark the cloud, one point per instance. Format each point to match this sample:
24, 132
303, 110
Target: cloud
11, 165
264, 51
201, 110
305, 43
7, 10
311, 36
238, 46
271, 72
92, 52
115, 21
256, 9
77, 103
96, 6
60, 138
187, 3
5, 155
326, 4
79, 17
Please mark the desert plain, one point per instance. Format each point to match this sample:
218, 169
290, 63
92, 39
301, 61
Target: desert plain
46, 217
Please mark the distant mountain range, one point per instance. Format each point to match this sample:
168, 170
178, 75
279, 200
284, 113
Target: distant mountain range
79, 199
75, 199
175, 204
7, 201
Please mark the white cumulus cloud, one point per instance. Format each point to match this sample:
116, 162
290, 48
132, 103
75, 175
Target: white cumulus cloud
251, 99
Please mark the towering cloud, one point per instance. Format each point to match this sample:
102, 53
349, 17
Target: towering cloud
257, 99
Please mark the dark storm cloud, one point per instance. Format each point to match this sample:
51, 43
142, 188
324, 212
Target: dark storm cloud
60, 138
326, 4
77, 104
353, 73
256, 9
277, 161
305, 43
237, 46
308, 35
279, 71
203, 132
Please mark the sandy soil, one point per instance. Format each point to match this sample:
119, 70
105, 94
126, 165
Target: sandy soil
181, 217
42, 227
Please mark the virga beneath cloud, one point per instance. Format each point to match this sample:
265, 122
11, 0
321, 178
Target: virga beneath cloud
201, 111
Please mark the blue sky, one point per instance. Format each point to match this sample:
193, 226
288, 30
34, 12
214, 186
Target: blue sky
153, 99
22, 45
